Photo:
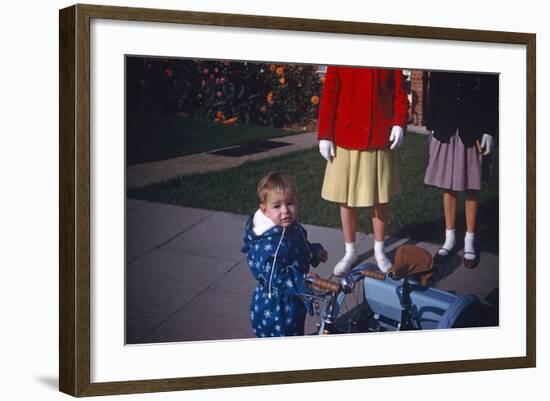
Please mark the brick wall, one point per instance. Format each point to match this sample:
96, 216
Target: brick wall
416, 98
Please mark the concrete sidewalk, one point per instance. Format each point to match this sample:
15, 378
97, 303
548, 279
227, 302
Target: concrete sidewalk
186, 278
142, 174
139, 175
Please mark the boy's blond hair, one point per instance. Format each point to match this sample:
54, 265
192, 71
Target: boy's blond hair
275, 181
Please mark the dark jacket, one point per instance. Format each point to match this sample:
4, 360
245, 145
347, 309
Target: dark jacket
467, 102
279, 260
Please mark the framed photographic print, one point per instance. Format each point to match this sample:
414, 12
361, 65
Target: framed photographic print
168, 122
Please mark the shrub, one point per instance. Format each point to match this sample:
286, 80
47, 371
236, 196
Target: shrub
228, 92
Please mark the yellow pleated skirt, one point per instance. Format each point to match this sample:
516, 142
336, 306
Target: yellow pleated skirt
361, 178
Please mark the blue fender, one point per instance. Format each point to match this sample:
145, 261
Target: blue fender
453, 312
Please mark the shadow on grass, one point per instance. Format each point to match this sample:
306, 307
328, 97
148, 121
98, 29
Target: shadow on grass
151, 137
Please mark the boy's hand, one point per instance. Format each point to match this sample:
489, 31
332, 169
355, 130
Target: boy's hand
322, 255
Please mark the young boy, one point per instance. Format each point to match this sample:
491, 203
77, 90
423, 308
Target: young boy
279, 257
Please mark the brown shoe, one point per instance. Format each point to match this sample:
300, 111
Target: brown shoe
471, 263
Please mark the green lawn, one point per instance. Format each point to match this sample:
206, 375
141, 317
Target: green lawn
152, 137
416, 212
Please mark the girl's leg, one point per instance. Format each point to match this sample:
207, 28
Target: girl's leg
472, 197
449, 209
379, 220
349, 217
470, 206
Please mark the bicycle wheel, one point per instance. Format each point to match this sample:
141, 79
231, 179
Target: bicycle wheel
353, 313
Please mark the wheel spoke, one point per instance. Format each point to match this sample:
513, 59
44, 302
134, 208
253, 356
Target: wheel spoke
352, 316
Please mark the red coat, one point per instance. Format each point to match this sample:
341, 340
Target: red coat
359, 106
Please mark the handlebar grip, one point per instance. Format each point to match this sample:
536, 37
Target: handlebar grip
324, 284
373, 274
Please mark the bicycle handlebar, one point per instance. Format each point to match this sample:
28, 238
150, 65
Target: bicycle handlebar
373, 274
334, 287
323, 283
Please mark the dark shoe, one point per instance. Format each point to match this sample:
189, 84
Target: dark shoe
440, 259
471, 263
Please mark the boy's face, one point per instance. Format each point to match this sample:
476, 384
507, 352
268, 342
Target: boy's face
281, 208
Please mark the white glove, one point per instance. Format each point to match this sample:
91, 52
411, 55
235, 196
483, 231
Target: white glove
396, 137
487, 144
430, 136
326, 148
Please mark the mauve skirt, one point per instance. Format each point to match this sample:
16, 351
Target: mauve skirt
453, 166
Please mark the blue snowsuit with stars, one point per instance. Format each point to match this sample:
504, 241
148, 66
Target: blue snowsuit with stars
279, 260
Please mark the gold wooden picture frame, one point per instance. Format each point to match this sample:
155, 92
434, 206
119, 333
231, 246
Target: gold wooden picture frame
75, 336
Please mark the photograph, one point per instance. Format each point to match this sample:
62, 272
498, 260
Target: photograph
344, 186
262, 201
269, 199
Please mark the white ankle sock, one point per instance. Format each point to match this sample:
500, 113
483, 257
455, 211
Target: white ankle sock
347, 261
382, 260
469, 246
350, 249
450, 241
379, 248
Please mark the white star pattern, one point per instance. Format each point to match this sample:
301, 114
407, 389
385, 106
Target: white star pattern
272, 314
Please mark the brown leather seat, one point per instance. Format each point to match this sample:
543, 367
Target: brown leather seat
413, 261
